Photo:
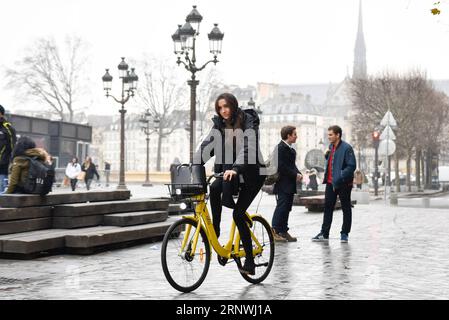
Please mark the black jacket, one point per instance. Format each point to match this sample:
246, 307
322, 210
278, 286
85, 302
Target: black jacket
246, 158
287, 169
90, 171
7, 143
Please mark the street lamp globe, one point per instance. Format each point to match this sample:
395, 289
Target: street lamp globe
122, 68
176, 37
134, 79
107, 81
251, 103
187, 34
195, 18
127, 82
215, 40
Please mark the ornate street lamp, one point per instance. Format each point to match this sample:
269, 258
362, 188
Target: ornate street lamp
129, 85
147, 128
184, 44
252, 105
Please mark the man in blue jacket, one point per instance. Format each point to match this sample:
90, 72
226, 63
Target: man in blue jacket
338, 177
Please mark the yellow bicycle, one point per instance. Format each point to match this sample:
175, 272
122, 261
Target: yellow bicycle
186, 252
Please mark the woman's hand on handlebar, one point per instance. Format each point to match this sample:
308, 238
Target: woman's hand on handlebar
229, 174
215, 175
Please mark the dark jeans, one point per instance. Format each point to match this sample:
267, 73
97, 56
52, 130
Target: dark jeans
284, 202
73, 183
247, 194
344, 193
88, 182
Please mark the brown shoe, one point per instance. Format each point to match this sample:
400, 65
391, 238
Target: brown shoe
288, 237
278, 237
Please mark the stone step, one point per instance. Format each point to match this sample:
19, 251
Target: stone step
17, 226
134, 218
29, 244
90, 239
29, 200
77, 222
100, 208
33, 242
7, 214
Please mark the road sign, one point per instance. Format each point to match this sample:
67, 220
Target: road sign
388, 134
387, 147
388, 120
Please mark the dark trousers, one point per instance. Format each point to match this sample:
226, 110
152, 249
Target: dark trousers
284, 202
73, 183
247, 194
344, 193
88, 182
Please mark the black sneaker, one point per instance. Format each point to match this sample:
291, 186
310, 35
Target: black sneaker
320, 238
248, 268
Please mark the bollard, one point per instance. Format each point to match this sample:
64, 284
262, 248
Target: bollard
394, 199
426, 202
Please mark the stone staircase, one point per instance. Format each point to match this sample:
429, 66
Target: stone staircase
79, 222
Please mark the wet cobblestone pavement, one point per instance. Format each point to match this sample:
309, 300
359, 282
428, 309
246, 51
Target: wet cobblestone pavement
393, 253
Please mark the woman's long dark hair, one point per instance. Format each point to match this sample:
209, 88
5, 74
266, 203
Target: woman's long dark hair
22, 145
236, 114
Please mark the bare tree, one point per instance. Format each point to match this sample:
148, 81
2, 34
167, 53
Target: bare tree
417, 107
51, 75
163, 96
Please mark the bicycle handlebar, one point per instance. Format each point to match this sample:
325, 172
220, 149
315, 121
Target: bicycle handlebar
215, 175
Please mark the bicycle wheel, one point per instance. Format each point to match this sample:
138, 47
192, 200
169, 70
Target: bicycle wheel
183, 271
264, 260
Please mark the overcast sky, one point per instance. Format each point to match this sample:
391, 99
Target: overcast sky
283, 41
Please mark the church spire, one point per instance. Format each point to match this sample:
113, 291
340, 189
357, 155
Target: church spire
359, 70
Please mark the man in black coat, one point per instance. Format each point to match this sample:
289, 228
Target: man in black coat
285, 187
7, 143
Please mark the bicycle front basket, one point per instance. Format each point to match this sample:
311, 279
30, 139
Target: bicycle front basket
188, 180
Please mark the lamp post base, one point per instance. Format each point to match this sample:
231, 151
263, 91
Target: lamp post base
147, 184
122, 187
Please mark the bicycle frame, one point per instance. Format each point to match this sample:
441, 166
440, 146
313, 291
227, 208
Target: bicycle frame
203, 220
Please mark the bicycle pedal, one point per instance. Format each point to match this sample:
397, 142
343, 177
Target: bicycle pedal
222, 261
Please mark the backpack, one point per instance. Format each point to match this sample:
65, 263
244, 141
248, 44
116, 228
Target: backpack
271, 168
40, 177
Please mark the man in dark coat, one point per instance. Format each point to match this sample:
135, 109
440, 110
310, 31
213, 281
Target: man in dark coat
7, 143
285, 187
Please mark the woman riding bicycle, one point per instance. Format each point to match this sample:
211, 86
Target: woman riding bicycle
233, 140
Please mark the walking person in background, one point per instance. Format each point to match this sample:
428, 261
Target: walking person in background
306, 180
338, 177
358, 178
7, 143
90, 169
107, 172
285, 187
313, 182
72, 171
